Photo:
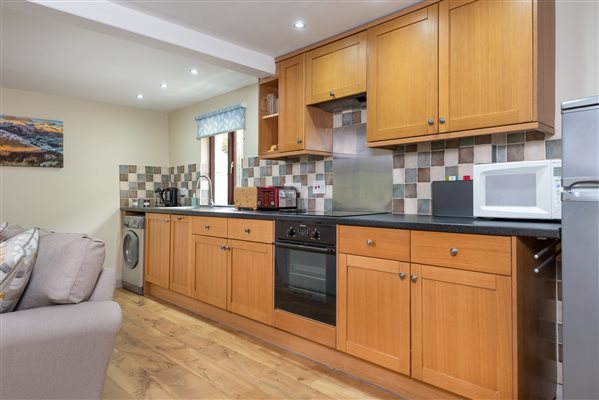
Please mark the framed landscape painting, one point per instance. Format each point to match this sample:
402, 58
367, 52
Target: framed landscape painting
31, 142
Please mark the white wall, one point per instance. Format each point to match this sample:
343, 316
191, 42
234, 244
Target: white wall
183, 145
577, 52
84, 195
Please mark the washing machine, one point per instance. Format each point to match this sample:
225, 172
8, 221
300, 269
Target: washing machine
133, 253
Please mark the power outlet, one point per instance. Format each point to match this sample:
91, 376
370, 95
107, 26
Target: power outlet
318, 187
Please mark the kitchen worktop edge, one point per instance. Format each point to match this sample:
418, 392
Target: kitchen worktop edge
549, 229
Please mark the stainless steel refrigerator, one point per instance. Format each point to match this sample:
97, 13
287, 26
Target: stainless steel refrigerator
580, 248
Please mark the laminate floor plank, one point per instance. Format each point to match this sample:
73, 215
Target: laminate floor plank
165, 353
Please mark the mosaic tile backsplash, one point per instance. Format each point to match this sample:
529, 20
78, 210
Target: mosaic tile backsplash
301, 172
139, 181
415, 166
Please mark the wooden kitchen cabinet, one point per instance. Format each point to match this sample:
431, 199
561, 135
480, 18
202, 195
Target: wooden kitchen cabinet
336, 70
403, 76
291, 103
181, 267
462, 331
301, 129
158, 243
210, 260
485, 63
251, 280
373, 321
462, 68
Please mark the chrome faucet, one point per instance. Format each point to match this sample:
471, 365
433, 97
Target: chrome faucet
210, 199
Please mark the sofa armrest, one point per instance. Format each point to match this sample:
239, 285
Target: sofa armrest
57, 352
104, 289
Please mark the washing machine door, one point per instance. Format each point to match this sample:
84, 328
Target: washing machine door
131, 249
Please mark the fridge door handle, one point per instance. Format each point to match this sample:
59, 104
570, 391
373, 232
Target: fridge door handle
569, 183
580, 195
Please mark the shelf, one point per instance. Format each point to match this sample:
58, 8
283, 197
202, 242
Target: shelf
270, 116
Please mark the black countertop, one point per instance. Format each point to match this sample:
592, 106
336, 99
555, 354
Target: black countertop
397, 221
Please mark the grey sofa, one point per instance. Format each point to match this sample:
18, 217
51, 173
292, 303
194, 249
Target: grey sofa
62, 351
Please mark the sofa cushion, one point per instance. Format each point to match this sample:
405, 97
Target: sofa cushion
66, 270
17, 258
10, 231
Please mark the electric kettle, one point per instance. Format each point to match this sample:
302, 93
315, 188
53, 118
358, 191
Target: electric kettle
169, 196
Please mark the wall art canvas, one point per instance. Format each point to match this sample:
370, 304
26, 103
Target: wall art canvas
31, 142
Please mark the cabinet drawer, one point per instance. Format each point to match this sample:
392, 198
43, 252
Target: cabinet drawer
251, 230
392, 244
464, 251
209, 226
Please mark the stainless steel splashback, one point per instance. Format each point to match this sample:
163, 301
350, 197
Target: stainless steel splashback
362, 176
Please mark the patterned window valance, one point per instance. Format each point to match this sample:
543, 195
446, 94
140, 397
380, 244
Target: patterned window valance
226, 119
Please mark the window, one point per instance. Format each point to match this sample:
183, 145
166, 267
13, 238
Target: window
224, 152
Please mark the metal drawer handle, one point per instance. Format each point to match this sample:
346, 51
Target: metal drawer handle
225, 248
431, 122
402, 275
331, 93
453, 251
369, 242
247, 230
442, 120
207, 226
414, 278
179, 218
298, 140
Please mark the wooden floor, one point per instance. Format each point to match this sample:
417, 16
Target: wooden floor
164, 353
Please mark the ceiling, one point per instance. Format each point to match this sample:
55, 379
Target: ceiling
42, 51
267, 25
44, 55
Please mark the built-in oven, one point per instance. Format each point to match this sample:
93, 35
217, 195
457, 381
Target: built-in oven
306, 271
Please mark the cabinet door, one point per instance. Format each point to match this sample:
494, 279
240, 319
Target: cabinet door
336, 70
158, 242
462, 331
374, 311
403, 76
291, 103
210, 259
251, 287
181, 271
485, 63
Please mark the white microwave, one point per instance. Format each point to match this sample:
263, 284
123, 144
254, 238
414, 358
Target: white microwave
518, 190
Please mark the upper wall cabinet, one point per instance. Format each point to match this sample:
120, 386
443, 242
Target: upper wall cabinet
485, 64
462, 68
402, 76
336, 70
301, 129
438, 70
291, 88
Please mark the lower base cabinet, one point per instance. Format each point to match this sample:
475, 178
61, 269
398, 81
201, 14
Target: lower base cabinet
462, 331
181, 268
251, 280
210, 257
374, 310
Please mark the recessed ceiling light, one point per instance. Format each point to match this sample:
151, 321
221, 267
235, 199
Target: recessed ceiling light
299, 24
140, 96
193, 71
163, 85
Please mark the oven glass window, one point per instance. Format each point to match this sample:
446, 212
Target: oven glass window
305, 284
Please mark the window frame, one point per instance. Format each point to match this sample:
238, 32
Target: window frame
231, 167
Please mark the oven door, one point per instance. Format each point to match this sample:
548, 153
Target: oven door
306, 281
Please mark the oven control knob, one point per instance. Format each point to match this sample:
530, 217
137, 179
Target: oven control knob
316, 235
291, 232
